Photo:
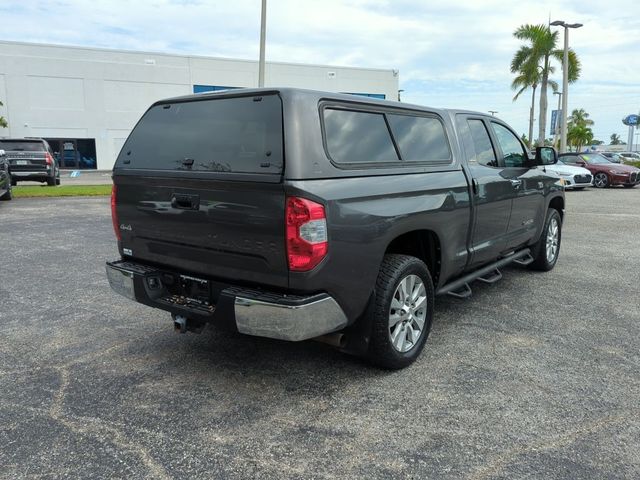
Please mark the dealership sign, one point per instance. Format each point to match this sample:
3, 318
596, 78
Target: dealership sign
631, 120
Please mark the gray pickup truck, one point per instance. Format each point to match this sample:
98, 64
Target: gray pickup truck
296, 214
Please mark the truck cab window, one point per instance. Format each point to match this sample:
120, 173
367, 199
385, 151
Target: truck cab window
514, 154
485, 155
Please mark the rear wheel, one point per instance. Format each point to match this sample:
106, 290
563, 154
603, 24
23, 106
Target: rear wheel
51, 181
601, 180
14, 182
402, 312
546, 250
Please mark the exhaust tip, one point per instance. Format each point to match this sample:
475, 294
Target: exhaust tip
338, 340
180, 324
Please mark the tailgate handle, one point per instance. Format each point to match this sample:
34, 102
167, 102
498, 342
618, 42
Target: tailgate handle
184, 201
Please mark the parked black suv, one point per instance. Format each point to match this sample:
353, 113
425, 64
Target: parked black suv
31, 159
295, 214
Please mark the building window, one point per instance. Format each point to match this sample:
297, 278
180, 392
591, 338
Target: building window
210, 88
74, 153
380, 96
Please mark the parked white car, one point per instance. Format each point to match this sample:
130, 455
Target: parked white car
575, 178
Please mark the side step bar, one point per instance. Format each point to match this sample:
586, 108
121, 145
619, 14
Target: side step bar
489, 274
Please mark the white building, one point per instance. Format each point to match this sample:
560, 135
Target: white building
85, 101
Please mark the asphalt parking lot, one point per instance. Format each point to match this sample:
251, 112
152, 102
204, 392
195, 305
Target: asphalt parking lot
537, 376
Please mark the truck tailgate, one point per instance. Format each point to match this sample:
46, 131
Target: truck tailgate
215, 228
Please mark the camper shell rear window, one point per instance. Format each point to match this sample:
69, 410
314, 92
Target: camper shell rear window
241, 134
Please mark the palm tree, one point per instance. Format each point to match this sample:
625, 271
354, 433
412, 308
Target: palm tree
539, 52
579, 136
579, 117
615, 139
527, 76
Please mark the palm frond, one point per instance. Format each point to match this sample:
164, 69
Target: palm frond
574, 63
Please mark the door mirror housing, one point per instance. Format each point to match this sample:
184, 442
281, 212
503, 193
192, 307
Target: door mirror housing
546, 156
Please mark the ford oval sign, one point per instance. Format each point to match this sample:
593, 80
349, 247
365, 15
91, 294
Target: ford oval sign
631, 120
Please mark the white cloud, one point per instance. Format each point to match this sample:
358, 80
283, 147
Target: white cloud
448, 53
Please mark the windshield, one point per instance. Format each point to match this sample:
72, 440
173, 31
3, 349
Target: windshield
21, 146
594, 158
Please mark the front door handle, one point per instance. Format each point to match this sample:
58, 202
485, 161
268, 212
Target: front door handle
516, 183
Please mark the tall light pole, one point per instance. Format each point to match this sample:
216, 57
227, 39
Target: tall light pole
558, 119
493, 112
263, 34
565, 79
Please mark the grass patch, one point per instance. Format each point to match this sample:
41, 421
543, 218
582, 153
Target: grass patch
61, 191
633, 163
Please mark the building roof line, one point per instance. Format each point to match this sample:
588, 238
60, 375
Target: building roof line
186, 55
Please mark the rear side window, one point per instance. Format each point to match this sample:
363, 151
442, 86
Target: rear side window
237, 135
21, 146
420, 138
485, 155
358, 137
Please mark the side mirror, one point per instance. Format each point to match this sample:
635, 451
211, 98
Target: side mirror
546, 156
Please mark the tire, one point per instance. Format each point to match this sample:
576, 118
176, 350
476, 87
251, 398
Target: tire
58, 181
544, 255
412, 274
51, 181
629, 186
14, 182
601, 180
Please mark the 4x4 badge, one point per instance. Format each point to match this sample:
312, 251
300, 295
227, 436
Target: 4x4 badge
125, 227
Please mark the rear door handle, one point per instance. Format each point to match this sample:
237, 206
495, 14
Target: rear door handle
185, 201
516, 183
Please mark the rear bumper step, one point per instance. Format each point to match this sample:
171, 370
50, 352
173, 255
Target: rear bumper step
249, 311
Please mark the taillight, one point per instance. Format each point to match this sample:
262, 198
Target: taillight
114, 214
307, 241
48, 158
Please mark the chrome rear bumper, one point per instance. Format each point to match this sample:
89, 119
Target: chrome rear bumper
288, 322
252, 312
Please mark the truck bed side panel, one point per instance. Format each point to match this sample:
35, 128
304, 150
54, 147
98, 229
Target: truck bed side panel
365, 214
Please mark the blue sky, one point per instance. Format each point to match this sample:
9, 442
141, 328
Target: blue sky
449, 53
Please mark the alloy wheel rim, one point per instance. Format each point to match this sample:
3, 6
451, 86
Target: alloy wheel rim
407, 313
553, 237
601, 180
